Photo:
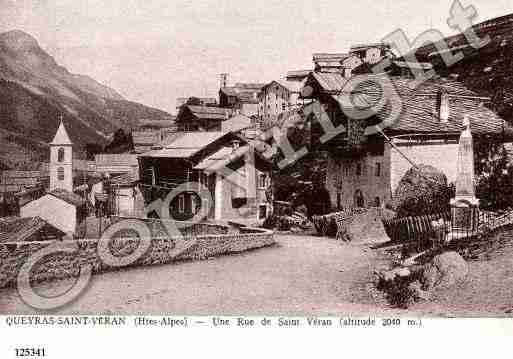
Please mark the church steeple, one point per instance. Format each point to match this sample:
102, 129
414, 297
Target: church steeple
61, 160
61, 137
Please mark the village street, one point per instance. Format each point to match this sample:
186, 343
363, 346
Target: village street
300, 275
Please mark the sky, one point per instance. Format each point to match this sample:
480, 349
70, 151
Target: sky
153, 51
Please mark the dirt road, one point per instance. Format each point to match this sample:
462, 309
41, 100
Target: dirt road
301, 275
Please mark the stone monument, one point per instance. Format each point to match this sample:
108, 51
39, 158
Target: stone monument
465, 205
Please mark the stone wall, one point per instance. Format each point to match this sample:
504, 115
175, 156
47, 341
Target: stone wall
157, 226
162, 250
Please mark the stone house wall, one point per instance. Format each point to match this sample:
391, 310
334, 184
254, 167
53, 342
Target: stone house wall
344, 180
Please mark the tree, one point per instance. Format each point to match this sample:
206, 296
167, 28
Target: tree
494, 176
121, 143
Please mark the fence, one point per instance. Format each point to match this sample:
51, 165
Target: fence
427, 227
417, 228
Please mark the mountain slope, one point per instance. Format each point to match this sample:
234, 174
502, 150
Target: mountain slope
487, 71
35, 92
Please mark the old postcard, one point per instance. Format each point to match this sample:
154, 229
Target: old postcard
234, 164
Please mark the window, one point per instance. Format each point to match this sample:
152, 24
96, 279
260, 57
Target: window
203, 179
358, 169
60, 174
262, 181
262, 211
378, 169
377, 202
181, 203
60, 155
283, 106
347, 169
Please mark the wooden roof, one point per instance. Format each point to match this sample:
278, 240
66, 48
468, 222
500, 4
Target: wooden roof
16, 229
419, 107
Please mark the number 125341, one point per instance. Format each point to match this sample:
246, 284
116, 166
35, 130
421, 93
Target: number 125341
30, 352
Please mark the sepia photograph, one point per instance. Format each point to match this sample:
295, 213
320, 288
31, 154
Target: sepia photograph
320, 163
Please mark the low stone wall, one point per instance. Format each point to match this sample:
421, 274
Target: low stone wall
162, 250
157, 227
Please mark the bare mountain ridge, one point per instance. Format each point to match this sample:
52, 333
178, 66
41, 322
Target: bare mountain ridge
35, 91
23, 60
488, 70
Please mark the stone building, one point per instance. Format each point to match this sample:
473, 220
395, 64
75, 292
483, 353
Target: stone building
60, 206
223, 163
242, 98
201, 118
423, 125
61, 161
276, 98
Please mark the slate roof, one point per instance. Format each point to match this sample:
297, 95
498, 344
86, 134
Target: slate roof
328, 81
16, 229
330, 56
185, 146
220, 155
120, 159
156, 123
236, 123
68, 197
419, 108
298, 74
16, 181
209, 113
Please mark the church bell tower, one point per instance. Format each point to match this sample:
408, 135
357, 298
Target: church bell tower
61, 160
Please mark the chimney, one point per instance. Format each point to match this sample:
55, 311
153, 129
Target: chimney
444, 110
223, 80
235, 145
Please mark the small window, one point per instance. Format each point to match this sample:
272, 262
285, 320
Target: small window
181, 203
378, 169
60, 174
358, 169
377, 202
203, 179
262, 181
347, 170
283, 106
262, 211
60, 155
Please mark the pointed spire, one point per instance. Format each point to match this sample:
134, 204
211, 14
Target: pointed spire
61, 137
